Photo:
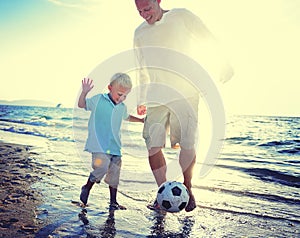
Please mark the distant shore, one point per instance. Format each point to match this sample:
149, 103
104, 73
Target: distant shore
18, 199
28, 102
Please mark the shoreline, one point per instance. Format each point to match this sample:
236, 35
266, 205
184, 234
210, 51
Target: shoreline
19, 201
27, 175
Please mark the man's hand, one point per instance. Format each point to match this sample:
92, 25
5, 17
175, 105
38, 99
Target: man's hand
226, 74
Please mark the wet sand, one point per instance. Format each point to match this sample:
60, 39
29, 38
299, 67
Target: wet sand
18, 200
20, 204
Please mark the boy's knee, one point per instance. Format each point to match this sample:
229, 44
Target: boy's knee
98, 163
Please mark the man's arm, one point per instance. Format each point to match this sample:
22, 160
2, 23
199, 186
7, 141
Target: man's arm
210, 50
142, 77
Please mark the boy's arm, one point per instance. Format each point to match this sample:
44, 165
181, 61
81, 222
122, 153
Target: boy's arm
87, 85
135, 119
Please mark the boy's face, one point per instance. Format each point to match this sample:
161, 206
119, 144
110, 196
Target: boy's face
118, 93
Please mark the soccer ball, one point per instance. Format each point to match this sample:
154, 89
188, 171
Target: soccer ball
172, 196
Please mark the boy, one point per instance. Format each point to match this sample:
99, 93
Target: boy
103, 142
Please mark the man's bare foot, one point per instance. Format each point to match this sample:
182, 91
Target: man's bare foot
191, 204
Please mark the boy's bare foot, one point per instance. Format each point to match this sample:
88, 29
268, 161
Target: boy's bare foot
116, 206
84, 195
191, 204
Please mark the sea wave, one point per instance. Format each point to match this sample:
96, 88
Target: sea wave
292, 151
280, 143
274, 176
33, 122
239, 139
253, 214
261, 196
24, 131
41, 121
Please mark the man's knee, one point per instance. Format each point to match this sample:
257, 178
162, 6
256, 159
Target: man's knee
187, 153
187, 158
153, 151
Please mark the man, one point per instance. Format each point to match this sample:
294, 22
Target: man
181, 31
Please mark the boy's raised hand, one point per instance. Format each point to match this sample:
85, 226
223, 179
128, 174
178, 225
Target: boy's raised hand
87, 85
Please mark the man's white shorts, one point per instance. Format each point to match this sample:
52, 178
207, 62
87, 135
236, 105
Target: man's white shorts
180, 116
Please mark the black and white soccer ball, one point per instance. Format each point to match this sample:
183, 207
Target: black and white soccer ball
172, 196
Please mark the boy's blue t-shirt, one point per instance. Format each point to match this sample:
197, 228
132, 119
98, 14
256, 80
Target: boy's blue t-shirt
104, 124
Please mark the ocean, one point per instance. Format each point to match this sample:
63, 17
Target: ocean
251, 191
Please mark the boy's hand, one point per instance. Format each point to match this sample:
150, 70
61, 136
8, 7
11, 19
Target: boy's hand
87, 85
141, 110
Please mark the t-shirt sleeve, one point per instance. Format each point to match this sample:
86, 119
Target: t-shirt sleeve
195, 25
91, 103
212, 54
125, 113
142, 75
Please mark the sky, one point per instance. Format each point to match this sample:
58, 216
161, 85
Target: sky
48, 46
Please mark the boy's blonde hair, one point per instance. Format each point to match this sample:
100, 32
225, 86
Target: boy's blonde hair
121, 79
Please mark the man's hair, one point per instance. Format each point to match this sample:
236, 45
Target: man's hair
150, 0
121, 79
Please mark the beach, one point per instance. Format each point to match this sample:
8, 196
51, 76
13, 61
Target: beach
18, 200
19, 204
251, 191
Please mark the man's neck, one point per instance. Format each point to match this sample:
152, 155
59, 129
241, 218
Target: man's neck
162, 12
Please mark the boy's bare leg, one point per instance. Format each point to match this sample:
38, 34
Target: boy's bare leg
85, 191
158, 165
113, 194
89, 184
187, 159
113, 199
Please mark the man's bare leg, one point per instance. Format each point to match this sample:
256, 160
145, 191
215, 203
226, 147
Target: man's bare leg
187, 159
158, 165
